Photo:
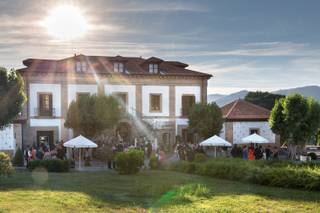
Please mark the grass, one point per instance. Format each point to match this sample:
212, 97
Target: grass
155, 191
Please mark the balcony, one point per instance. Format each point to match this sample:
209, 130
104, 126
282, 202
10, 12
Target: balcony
38, 112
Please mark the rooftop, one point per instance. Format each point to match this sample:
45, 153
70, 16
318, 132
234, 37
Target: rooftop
104, 65
241, 110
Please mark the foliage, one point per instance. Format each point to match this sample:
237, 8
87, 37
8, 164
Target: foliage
200, 157
313, 156
263, 99
50, 165
129, 162
296, 119
90, 115
205, 119
154, 163
12, 96
149, 191
105, 141
18, 158
5, 165
271, 173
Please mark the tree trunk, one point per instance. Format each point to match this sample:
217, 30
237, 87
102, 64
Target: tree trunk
292, 151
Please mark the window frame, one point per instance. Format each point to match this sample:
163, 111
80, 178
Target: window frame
154, 68
257, 130
81, 93
186, 95
160, 102
118, 67
49, 112
126, 98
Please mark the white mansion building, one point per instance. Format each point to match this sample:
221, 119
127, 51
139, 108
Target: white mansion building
157, 91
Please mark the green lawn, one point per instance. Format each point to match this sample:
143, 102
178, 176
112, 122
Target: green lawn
156, 191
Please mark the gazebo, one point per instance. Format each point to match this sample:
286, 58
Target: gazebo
215, 141
80, 142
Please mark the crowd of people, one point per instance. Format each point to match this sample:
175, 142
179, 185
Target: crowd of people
252, 152
44, 152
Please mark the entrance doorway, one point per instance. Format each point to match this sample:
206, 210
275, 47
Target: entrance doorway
45, 138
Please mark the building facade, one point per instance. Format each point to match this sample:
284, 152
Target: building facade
153, 90
242, 118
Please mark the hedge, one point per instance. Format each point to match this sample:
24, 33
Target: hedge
270, 173
129, 162
50, 165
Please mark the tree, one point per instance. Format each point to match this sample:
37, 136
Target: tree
296, 119
90, 115
205, 119
263, 99
12, 96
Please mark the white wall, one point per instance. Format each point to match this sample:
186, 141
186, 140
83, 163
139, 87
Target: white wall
55, 89
186, 90
48, 123
7, 141
223, 133
158, 123
73, 89
129, 89
242, 129
146, 91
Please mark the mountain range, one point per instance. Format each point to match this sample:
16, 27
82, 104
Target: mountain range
307, 91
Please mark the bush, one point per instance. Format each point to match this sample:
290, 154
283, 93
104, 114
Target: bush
129, 162
5, 165
18, 158
271, 173
50, 165
200, 157
154, 163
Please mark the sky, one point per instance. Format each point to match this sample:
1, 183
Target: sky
245, 44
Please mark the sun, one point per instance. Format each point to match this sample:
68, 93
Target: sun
66, 23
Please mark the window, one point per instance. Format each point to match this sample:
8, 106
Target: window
82, 94
122, 97
78, 66
118, 67
81, 66
187, 102
155, 102
254, 131
153, 68
45, 105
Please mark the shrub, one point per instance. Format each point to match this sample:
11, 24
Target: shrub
154, 163
5, 165
271, 173
200, 157
50, 165
18, 158
129, 162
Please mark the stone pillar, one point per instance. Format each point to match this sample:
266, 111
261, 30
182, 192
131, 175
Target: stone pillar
229, 131
204, 86
139, 100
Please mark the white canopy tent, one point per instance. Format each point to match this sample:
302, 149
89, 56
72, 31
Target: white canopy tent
254, 138
215, 141
80, 142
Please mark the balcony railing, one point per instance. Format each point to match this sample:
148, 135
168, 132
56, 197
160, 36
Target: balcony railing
38, 112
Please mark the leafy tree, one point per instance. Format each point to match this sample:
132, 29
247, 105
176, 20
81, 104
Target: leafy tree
205, 119
12, 96
263, 99
296, 119
90, 115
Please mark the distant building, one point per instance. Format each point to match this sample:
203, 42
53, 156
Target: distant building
243, 118
157, 91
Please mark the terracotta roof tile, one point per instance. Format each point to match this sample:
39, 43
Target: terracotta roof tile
242, 110
104, 64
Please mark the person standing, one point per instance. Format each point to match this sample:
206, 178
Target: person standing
251, 153
268, 152
244, 153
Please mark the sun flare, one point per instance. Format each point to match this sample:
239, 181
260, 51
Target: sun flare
66, 23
